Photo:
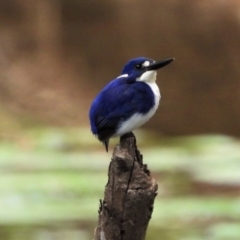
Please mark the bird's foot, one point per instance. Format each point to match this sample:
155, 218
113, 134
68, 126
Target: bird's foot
126, 135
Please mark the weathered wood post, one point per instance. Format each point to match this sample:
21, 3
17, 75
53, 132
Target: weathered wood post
129, 195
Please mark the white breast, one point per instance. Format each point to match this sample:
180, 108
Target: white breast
137, 119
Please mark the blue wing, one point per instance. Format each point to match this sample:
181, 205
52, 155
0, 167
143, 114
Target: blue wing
117, 102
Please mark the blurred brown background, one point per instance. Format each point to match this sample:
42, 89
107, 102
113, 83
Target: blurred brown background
55, 55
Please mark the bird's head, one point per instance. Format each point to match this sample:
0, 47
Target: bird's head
144, 69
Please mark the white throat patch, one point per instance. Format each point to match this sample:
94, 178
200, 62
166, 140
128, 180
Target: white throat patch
148, 77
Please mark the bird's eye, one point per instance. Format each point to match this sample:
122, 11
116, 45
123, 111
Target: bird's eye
138, 66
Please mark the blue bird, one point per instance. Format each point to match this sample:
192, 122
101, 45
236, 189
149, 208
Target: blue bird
128, 101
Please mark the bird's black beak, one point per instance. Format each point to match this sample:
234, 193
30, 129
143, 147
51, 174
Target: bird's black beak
159, 64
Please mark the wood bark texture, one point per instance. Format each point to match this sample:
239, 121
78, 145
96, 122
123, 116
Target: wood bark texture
129, 195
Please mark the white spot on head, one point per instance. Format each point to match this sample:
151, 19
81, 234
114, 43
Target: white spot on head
146, 63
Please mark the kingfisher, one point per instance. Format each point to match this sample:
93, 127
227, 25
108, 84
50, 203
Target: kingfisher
128, 101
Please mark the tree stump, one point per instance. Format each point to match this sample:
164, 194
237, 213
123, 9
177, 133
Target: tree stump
129, 195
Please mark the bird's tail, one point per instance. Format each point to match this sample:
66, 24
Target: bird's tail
105, 143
